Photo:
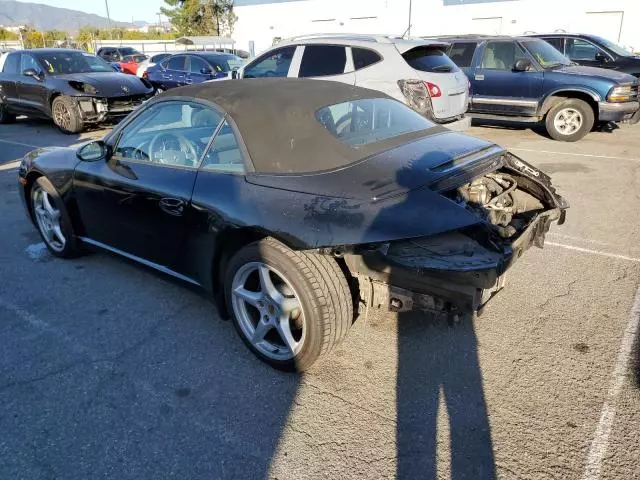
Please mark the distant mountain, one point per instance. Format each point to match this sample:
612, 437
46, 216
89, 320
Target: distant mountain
44, 17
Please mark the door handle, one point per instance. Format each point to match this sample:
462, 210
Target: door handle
172, 206
188, 81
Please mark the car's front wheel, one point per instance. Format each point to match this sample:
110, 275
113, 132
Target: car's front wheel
289, 307
52, 219
66, 114
570, 120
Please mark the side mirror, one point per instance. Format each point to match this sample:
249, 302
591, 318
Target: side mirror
92, 151
601, 57
32, 72
206, 70
522, 65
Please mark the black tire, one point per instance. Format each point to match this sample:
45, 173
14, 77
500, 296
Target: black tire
321, 289
71, 247
5, 116
66, 115
586, 115
635, 119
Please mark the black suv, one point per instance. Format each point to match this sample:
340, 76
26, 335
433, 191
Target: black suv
594, 51
525, 79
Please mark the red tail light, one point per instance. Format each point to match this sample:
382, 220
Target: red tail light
433, 89
145, 75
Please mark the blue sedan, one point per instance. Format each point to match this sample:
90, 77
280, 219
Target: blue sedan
191, 67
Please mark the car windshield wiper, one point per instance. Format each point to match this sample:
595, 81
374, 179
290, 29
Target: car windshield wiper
442, 68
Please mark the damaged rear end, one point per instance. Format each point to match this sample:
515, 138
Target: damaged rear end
458, 271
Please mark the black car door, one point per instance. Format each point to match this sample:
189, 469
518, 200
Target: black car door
137, 202
586, 53
32, 90
10, 75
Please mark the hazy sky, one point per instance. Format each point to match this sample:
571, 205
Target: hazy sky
121, 10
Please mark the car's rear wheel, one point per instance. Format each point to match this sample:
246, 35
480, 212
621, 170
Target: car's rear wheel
5, 116
288, 307
570, 120
52, 219
66, 115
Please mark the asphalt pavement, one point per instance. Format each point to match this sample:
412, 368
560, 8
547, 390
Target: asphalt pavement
110, 370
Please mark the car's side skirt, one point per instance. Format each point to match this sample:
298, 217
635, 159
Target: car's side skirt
147, 263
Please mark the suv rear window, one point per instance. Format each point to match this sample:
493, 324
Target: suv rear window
429, 59
365, 121
462, 53
323, 60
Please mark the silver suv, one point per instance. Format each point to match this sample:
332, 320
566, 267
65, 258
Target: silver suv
416, 72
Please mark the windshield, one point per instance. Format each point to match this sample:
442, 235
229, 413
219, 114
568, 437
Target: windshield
614, 47
72, 62
128, 51
225, 63
545, 54
361, 122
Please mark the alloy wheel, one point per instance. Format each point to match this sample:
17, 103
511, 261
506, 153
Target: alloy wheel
62, 115
48, 219
568, 121
268, 310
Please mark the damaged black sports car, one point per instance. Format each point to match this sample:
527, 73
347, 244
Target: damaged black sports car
73, 88
293, 202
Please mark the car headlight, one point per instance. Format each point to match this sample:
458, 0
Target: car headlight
83, 87
623, 93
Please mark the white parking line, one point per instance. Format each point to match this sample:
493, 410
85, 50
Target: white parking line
21, 144
594, 252
10, 165
600, 442
630, 159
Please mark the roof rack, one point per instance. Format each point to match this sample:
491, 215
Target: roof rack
343, 36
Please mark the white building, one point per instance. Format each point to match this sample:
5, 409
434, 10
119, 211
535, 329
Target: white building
262, 21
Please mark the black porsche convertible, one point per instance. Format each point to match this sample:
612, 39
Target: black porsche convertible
294, 201
73, 88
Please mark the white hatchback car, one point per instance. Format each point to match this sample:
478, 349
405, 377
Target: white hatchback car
416, 72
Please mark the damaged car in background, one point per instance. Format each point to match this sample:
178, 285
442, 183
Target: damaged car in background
294, 203
73, 88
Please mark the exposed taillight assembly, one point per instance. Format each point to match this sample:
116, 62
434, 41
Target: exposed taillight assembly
418, 96
433, 89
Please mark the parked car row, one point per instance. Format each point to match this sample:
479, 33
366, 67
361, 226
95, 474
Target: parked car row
447, 79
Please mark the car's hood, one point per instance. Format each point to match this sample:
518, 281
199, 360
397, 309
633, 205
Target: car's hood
597, 72
109, 83
426, 161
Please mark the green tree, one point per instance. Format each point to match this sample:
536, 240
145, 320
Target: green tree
197, 17
6, 35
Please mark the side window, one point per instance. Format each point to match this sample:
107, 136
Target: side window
501, 56
197, 65
580, 50
274, 64
169, 133
462, 53
323, 60
177, 63
12, 63
363, 57
555, 42
224, 154
27, 61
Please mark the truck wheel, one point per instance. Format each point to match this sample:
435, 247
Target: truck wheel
288, 307
570, 120
66, 115
5, 116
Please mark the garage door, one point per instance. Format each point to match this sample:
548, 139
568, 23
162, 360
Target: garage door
604, 24
487, 26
